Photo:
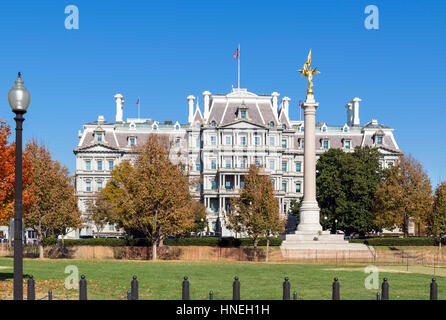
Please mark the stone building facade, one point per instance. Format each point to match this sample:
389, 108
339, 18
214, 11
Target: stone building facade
219, 144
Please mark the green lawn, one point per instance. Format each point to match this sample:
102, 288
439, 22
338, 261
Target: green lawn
110, 279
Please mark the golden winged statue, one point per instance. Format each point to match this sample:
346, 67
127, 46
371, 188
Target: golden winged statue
308, 72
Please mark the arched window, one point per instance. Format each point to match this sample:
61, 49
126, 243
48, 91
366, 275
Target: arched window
271, 124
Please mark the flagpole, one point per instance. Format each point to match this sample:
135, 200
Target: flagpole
238, 66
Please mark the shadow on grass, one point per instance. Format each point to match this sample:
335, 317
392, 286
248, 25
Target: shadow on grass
9, 275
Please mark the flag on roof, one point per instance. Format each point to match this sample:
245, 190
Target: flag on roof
237, 53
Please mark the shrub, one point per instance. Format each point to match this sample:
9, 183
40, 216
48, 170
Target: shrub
393, 241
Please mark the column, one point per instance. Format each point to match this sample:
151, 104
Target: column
309, 211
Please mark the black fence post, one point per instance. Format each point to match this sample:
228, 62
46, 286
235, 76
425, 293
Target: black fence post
83, 288
294, 295
236, 289
385, 290
378, 296
335, 294
50, 295
211, 295
185, 293
31, 292
129, 295
134, 289
434, 290
286, 289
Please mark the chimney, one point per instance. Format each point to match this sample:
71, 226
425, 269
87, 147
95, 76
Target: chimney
275, 95
206, 96
348, 106
285, 106
119, 106
190, 100
355, 112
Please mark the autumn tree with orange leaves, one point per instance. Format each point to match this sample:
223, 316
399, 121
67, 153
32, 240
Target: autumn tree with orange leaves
406, 194
151, 195
256, 210
7, 176
54, 209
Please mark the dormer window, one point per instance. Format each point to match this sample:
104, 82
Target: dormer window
347, 144
177, 127
271, 124
325, 144
283, 126
242, 114
345, 129
324, 128
302, 128
132, 141
213, 123
379, 140
99, 137
197, 125
155, 127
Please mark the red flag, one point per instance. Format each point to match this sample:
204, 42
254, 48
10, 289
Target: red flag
137, 102
236, 54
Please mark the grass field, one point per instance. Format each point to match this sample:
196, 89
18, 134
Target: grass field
110, 279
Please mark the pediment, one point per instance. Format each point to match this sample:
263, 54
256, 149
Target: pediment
242, 124
96, 147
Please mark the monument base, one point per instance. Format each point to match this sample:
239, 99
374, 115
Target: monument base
300, 243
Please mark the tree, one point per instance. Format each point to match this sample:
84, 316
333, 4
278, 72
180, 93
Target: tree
7, 176
256, 210
346, 185
436, 220
405, 194
200, 222
151, 196
98, 211
54, 208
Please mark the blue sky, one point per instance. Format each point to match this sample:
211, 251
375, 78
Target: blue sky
165, 50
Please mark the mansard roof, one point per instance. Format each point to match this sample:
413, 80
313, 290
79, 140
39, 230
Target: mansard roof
259, 108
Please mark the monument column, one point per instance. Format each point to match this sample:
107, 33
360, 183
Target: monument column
309, 210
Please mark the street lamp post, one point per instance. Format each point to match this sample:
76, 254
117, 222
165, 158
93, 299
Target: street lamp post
18, 98
325, 222
336, 226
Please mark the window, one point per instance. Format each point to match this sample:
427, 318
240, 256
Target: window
325, 144
99, 137
274, 184
345, 129
298, 187
257, 163
177, 142
213, 164
347, 144
213, 186
197, 166
271, 124
213, 140
155, 127
302, 129
242, 184
228, 164
271, 141
243, 114
99, 184
198, 186
298, 167
88, 165
99, 165
324, 129
132, 141
242, 141
257, 140
110, 165
390, 165
271, 164
302, 143
88, 186
243, 163
379, 140
284, 166
228, 140
283, 126
198, 143
111, 227
213, 123
284, 143
284, 186
228, 185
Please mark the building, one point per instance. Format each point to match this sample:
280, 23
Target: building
219, 144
